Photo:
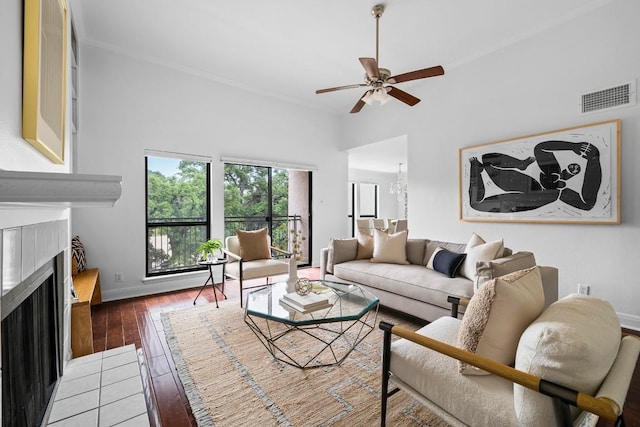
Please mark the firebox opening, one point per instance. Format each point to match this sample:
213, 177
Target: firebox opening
32, 345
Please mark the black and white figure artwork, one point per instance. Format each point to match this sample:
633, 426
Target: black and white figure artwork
569, 175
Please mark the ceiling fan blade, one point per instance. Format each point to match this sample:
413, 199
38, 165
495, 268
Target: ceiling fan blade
403, 96
418, 74
332, 89
356, 108
371, 67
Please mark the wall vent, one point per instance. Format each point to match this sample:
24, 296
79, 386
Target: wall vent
606, 99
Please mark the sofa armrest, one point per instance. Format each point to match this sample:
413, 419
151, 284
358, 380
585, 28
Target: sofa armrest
549, 277
324, 262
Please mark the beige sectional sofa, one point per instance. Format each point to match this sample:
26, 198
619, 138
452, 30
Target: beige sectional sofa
415, 289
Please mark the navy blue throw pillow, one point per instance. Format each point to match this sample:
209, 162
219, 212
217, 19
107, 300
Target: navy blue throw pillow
447, 262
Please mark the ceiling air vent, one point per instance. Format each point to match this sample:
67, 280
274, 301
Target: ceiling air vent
606, 99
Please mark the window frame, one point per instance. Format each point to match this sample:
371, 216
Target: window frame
149, 225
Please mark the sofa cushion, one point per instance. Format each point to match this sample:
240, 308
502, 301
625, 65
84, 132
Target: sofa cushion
498, 313
487, 270
390, 248
432, 245
341, 250
415, 250
479, 252
412, 281
253, 244
446, 262
489, 399
573, 343
365, 245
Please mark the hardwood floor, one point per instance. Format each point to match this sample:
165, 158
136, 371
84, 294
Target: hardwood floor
137, 321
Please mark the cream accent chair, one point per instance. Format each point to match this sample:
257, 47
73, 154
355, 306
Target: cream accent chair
380, 224
423, 364
237, 268
401, 225
365, 225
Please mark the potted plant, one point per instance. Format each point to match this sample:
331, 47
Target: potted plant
209, 249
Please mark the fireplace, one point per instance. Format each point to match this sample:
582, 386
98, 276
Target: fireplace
32, 344
35, 277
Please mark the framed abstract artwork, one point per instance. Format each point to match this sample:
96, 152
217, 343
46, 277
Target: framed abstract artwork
44, 76
569, 175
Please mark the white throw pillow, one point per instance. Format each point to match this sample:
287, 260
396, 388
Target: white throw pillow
478, 250
497, 315
573, 343
390, 248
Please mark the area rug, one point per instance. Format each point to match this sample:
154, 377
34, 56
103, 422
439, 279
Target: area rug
232, 380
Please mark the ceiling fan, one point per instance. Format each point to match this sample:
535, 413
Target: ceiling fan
380, 80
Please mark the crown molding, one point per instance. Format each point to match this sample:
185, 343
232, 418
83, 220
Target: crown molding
59, 189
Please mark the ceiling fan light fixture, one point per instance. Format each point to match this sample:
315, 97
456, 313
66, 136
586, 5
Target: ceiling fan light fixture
368, 97
380, 94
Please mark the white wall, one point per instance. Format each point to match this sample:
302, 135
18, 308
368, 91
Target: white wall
128, 106
527, 88
16, 154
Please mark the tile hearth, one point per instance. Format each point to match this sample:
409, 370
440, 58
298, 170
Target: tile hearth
101, 389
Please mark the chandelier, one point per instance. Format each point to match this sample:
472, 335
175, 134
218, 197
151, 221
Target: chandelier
399, 188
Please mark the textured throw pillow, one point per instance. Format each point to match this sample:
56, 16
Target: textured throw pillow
253, 244
573, 343
482, 252
77, 253
497, 315
365, 246
390, 248
446, 262
341, 250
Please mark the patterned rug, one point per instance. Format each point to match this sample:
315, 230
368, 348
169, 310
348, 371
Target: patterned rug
232, 380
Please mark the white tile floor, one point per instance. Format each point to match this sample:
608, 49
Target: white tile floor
101, 389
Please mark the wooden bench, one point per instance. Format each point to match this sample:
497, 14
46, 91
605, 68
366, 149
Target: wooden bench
87, 285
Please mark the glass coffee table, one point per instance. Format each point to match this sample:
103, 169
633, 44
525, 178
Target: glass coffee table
316, 338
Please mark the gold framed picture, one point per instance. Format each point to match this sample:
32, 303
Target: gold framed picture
44, 76
569, 175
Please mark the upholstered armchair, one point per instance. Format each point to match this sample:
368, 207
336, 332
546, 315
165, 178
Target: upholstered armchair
365, 225
251, 256
568, 367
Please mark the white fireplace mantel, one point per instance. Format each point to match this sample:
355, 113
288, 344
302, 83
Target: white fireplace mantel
59, 189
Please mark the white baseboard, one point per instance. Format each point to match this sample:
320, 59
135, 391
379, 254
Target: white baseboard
629, 321
159, 285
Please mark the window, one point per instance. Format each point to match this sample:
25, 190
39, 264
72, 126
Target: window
178, 212
368, 198
275, 198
